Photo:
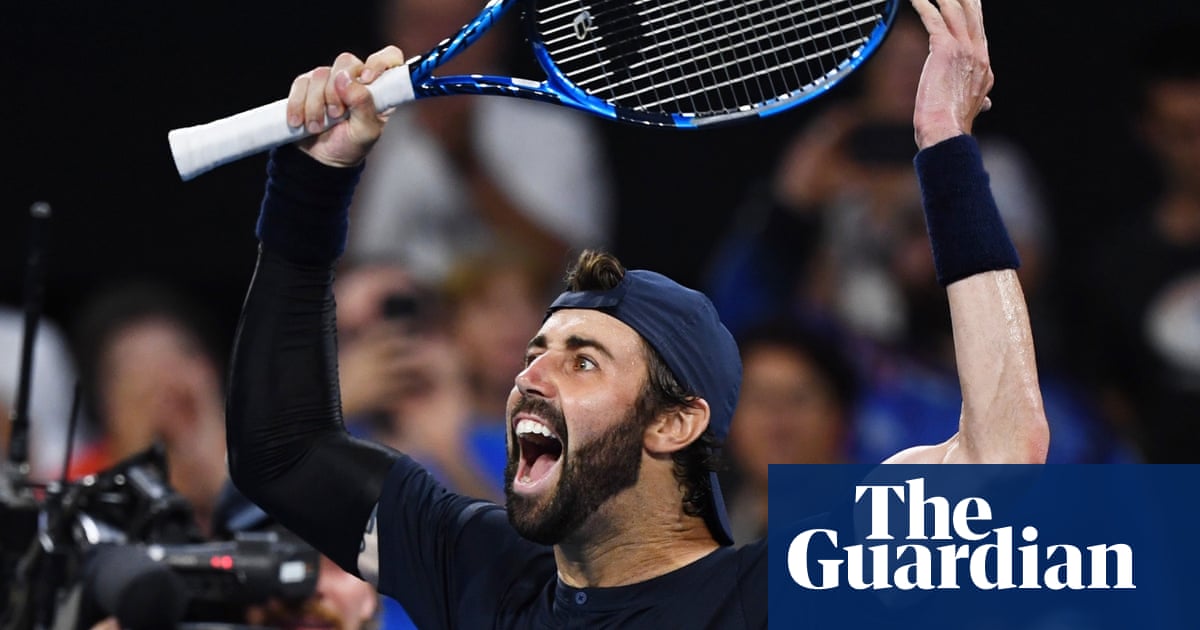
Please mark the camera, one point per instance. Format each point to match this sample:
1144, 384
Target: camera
124, 544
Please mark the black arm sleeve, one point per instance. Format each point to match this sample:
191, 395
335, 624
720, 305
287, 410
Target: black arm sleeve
288, 449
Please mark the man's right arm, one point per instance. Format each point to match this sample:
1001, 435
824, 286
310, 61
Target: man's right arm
288, 449
289, 452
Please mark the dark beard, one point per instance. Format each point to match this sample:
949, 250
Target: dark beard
591, 476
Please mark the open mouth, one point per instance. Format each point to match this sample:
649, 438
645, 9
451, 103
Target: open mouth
541, 450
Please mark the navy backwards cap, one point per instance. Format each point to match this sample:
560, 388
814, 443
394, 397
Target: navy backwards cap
682, 325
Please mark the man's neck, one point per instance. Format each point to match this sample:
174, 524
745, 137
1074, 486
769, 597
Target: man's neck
654, 543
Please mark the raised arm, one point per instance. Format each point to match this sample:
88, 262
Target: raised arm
1002, 419
288, 449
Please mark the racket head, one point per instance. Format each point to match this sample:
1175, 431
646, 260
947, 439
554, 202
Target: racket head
695, 63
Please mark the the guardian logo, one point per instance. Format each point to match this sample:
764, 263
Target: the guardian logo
972, 555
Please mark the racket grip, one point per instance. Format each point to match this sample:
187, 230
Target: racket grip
201, 148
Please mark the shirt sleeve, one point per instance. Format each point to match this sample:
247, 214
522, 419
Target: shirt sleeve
283, 417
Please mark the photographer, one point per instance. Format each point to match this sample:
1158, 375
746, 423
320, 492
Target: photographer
151, 372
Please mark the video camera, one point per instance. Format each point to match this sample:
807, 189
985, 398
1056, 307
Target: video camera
122, 543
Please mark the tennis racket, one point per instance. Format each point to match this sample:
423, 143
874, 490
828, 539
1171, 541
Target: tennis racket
668, 63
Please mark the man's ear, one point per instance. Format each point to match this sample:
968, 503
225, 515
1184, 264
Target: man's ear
674, 429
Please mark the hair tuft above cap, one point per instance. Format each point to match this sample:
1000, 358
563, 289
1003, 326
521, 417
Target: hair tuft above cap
595, 271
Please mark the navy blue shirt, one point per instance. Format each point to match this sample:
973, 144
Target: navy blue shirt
455, 562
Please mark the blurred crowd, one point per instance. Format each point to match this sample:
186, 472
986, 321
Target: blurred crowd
471, 206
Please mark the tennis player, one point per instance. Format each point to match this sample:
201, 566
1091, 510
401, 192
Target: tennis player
614, 517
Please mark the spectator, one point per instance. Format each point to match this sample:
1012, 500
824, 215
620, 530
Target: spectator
1140, 318
402, 376
151, 373
494, 307
796, 406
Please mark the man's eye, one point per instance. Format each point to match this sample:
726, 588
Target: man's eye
584, 363
529, 359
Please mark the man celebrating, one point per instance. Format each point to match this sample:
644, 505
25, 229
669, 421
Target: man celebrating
614, 518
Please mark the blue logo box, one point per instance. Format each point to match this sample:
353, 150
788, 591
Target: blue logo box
984, 547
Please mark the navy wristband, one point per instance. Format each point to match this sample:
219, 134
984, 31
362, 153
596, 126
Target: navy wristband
305, 214
965, 229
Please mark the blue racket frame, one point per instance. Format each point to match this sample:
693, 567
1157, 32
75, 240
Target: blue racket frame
559, 90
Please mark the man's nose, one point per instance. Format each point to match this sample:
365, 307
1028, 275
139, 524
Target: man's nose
535, 379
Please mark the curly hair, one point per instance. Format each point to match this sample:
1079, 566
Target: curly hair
600, 271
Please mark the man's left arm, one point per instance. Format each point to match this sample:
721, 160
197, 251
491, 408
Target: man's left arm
1003, 420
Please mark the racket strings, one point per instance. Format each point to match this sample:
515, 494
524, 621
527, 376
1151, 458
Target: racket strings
727, 59
762, 46
705, 58
696, 13
749, 35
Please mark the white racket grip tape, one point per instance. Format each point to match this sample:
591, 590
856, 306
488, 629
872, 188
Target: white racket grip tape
201, 148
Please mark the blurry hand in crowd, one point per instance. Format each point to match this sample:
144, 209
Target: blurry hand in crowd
399, 369
432, 417
380, 367
865, 143
380, 353
815, 168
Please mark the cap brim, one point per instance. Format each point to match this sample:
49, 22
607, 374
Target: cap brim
718, 518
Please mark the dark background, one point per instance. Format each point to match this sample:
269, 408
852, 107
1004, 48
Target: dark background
93, 88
